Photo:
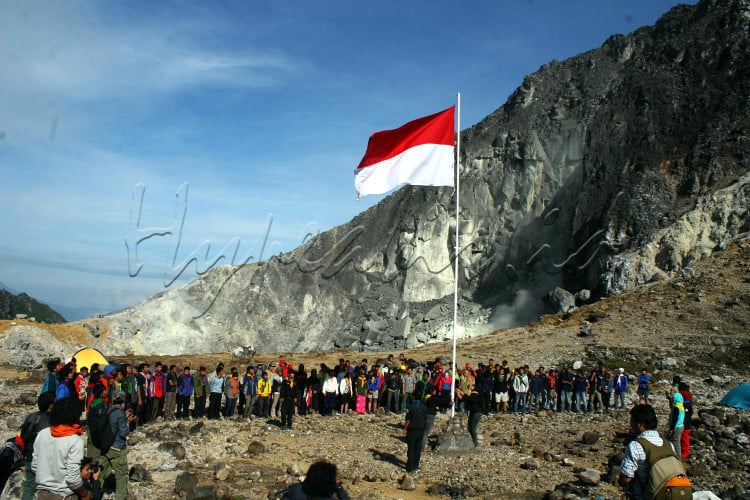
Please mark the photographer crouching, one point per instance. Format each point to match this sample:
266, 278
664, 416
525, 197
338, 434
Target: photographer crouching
90, 473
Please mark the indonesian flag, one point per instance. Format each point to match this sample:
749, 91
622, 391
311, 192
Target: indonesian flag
418, 153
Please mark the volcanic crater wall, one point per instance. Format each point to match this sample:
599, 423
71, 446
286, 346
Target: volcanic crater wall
601, 172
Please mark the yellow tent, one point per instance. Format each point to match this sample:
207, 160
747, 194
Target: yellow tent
88, 356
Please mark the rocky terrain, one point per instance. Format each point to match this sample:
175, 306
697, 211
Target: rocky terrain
694, 324
608, 170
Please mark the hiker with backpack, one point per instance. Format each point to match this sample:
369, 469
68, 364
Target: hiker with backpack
34, 423
650, 468
110, 437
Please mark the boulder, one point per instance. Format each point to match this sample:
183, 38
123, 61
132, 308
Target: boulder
185, 483
590, 477
562, 301
173, 448
138, 474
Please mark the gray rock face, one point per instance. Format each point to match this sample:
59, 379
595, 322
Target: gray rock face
602, 172
28, 345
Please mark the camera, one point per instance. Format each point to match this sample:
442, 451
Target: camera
94, 468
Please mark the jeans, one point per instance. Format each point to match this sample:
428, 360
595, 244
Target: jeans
229, 408
429, 422
263, 404
566, 400
183, 406
170, 401
676, 440
249, 405
474, 419
520, 397
536, 401
580, 397
621, 397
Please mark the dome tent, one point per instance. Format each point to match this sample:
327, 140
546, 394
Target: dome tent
739, 397
88, 356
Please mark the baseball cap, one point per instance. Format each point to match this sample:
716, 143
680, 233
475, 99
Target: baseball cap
119, 396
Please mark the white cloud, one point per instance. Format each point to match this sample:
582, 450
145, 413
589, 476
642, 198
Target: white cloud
55, 50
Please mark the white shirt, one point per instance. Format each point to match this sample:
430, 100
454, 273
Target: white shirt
331, 385
57, 462
345, 387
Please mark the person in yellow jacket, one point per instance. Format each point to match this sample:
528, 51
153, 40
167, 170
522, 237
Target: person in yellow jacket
264, 395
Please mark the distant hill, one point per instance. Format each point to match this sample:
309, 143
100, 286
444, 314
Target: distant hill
12, 304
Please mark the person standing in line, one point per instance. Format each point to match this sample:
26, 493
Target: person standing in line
264, 395
200, 392
157, 388
250, 390
330, 391
287, 398
216, 389
521, 386
346, 392
170, 393
184, 391
231, 391
276, 381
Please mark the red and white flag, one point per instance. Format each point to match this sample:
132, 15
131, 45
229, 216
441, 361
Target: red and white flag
418, 153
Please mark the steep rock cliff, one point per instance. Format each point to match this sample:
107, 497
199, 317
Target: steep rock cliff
602, 172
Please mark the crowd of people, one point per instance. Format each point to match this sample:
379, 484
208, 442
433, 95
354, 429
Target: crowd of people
136, 395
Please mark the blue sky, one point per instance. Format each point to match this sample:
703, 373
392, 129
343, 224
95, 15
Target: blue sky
262, 109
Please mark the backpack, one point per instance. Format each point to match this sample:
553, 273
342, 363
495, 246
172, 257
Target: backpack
666, 475
29, 430
100, 430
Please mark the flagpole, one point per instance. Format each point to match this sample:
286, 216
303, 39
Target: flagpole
455, 256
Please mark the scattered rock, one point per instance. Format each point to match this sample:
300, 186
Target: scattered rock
207, 492
256, 448
138, 473
590, 437
222, 472
27, 398
590, 477
185, 483
173, 448
408, 483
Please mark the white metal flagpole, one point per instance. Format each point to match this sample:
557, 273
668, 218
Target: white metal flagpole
455, 256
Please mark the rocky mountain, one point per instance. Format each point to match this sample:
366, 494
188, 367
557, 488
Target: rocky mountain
12, 304
608, 170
